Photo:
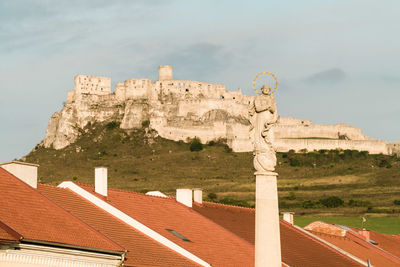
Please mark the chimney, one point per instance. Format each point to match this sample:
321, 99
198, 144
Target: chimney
184, 196
365, 234
26, 172
100, 180
198, 195
288, 217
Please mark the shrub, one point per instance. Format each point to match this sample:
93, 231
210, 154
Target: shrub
308, 204
227, 149
112, 125
358, 203
396, 202
384, 163
332, 202
294, 162
235, 202
212, 196
145, 123
291, 196
196, 145
211, 143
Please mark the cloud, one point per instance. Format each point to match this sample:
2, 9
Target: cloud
330, 77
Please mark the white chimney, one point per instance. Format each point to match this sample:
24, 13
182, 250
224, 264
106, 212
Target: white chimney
198, 195
100, 180
26, 172
365, 234
288, 217
184, 196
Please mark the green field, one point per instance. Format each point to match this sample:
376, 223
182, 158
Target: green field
360, 184
386, 225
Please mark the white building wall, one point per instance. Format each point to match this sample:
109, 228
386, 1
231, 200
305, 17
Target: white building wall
24, 255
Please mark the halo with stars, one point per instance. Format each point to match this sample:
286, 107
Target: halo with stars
266, 73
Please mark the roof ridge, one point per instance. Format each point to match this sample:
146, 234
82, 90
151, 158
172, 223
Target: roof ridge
123, 190
228, 205
76, 217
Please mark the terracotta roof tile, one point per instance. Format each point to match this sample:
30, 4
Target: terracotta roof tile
359, 248
389, 243
208, 240
142, 251
8, 235
298, 249
350, 240
35, 217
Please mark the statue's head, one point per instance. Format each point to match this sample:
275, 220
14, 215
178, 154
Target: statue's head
265, 89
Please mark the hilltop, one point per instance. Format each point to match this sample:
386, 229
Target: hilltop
325, 182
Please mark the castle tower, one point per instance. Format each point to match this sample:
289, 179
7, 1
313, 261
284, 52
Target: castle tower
165, 73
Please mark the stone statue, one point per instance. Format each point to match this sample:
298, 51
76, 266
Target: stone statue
263, 116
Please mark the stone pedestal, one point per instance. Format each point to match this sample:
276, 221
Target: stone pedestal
267, 241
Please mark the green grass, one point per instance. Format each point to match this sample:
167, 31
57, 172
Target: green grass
386, 225
141, 162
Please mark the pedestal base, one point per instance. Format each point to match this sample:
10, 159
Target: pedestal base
267, 240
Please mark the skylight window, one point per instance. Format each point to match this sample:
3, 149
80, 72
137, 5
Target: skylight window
178, 235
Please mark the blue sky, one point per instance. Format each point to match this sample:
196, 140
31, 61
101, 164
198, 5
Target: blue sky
336, 61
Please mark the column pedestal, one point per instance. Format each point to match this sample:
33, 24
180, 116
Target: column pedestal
268, 240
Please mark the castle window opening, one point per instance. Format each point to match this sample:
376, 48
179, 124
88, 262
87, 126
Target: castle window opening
187, 90
233, 97
222, 97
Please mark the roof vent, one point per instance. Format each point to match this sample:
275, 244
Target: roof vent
26, 172
184, 196
156, 194
175, 233
100, 180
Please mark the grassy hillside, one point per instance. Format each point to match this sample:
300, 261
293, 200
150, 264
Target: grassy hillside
324, 183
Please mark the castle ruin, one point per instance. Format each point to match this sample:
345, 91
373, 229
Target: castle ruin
182, 109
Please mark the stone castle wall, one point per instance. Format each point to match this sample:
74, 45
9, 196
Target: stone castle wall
394, 148
182, 109
336, 131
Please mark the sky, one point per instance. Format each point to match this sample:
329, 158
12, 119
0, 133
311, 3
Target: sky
336, 61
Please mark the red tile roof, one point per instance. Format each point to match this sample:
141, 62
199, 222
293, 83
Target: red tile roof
142, 251
298, 248
35, 217
389, 243
208, 240
8, 235
356, 244
359, 248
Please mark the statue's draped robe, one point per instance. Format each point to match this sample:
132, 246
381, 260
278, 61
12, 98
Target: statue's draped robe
265, 116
